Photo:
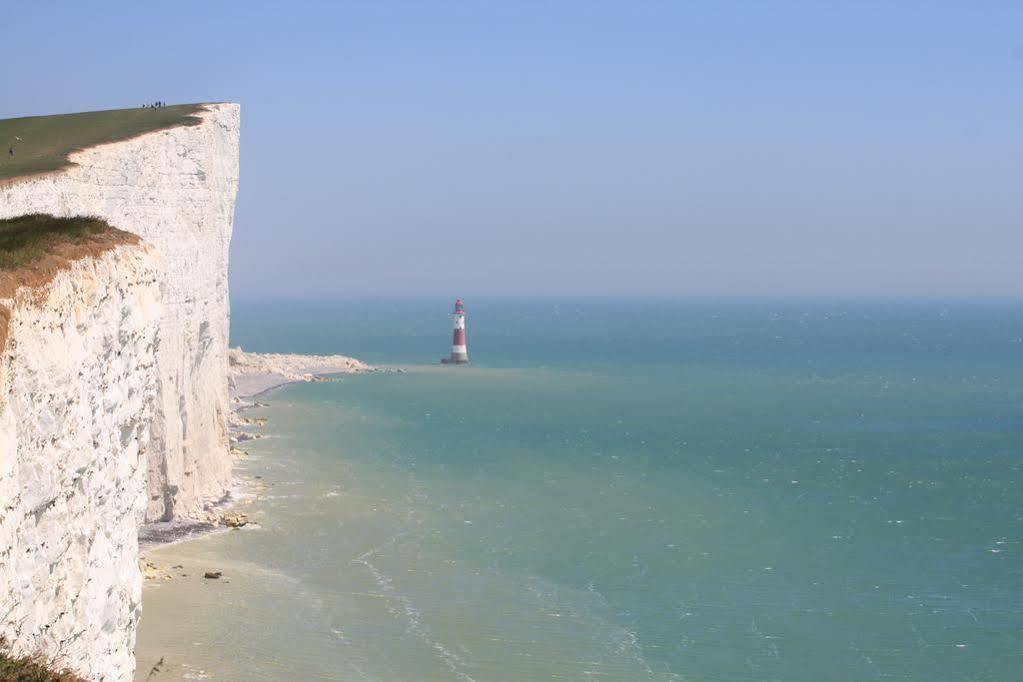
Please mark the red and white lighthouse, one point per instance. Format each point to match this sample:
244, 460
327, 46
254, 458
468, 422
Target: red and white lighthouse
459, 356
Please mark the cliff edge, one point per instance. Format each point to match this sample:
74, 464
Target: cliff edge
113, 380
174, 187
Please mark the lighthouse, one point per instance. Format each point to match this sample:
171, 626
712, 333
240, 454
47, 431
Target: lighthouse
459, 356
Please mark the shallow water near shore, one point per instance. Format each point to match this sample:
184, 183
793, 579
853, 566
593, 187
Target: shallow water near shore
781, 491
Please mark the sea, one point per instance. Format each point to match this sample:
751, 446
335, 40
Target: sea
619, 490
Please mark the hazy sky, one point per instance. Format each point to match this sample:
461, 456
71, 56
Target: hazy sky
563, 148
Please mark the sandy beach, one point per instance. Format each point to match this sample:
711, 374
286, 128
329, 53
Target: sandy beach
250, 375
168, 566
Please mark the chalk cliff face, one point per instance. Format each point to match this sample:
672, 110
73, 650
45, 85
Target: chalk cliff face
175, 188
114, 388
78, 389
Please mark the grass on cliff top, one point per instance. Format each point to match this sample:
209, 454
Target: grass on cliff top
43, 143
28, 238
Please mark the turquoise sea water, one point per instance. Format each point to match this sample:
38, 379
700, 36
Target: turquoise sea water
691, 491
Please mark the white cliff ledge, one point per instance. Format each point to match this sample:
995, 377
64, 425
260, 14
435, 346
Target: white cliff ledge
255, 373
115, 378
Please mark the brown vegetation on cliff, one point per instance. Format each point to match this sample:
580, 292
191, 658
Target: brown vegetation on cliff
34, 248
31, 669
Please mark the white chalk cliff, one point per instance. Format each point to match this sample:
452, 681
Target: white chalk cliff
176, 189
122, 357
78, 387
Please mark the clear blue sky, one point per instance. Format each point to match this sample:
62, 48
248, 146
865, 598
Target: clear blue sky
842, 147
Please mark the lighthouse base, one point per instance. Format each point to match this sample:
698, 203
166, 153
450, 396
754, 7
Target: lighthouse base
455, 360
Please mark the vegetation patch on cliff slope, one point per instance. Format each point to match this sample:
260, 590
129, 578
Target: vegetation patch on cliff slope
31, 669
41, 144
34, 248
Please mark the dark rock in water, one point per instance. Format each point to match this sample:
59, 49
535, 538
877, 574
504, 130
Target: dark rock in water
213, 575
163, 532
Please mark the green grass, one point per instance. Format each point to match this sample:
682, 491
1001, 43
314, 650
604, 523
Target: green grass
26, 239
46, 141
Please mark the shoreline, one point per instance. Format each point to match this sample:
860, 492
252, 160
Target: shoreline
250, 376
253, 374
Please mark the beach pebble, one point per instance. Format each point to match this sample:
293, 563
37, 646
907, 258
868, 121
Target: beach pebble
234, 519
